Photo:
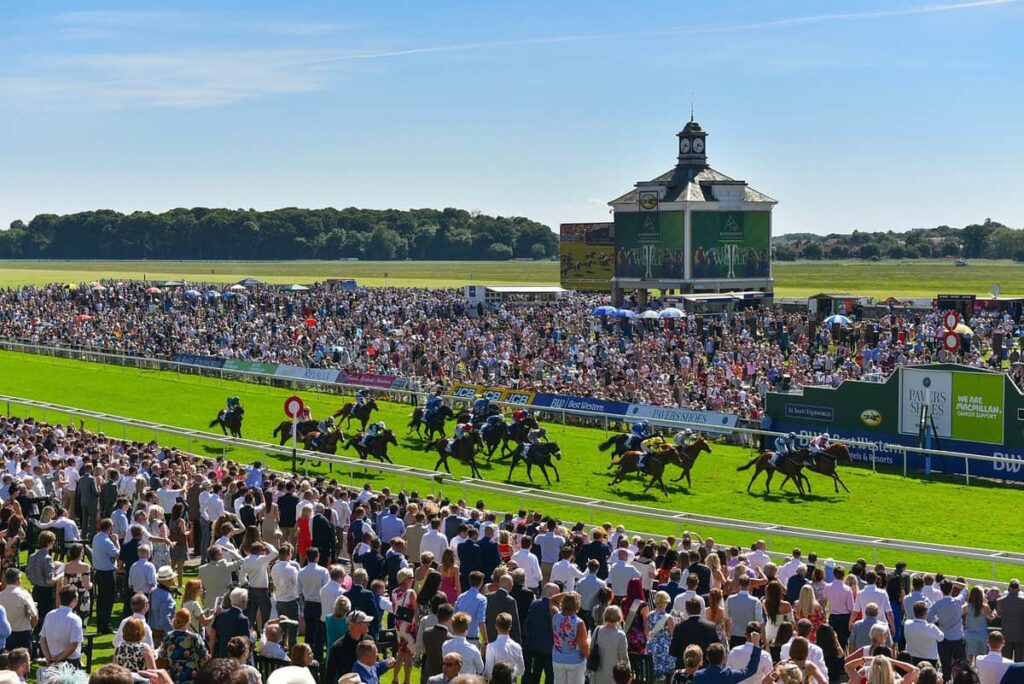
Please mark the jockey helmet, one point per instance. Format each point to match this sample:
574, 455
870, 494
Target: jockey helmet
826, 435
542, 432
644, 425
380, 424
792, 435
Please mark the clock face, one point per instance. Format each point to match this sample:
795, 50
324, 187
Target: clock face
684, 145
698, 145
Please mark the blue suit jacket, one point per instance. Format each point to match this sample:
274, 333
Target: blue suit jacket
491, 557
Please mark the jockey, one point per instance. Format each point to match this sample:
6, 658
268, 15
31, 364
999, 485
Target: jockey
462, 431
362, 396
648, 446
818, 445
374, 430
493, 422
233, 403
324, 427
481, 406
784, 444
519, 415
533, 439
306, 414
683, 438
433, 405
638, 433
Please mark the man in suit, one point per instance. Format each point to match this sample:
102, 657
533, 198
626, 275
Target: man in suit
672, 587
88, 500
489, 556
1010, 607
523, 597
322, 534
342, 654
433, 640
108, 495
470, 556
499, 602
367, 666
361, 598
693, 630
286, 505
588, 587
230, 623
451, 667
537, 639
702, 572
597, 550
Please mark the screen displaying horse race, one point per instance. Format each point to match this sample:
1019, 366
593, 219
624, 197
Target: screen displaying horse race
730, 244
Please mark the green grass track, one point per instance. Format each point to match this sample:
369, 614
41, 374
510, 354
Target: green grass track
885, 505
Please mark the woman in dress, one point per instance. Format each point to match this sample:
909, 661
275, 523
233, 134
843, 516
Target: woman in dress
776, 611
158, 538
199, 619
337, 621
610, 641
177, 532
404, 597
693, 658
644, 562
570, 643
668, 562
634, 607
719, 580
715, 612
505, 546
78, 574
976, 617
303, 535
184, 650
271, 528
133, 653
450, 586
660, 626
832, 652
799, 649
808, 608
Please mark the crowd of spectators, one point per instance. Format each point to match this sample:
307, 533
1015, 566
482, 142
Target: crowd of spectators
333, 585
433, 338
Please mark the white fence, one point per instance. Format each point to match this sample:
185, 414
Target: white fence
54, 412
414, 397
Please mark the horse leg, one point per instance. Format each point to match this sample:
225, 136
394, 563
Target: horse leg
558, 478
752, 478
768, 482
807, 481
511, 468
664, 487
544, 472
689, 484
840, 481
529, 467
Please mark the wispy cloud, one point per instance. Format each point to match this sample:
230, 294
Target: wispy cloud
211, 77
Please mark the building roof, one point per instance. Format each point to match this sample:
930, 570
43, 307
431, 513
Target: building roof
697, 189
524, 289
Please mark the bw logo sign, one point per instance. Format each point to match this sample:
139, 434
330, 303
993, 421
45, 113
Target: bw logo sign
1003, 466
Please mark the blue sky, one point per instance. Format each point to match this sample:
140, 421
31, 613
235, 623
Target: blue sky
870, 115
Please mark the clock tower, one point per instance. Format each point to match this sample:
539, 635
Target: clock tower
692, 146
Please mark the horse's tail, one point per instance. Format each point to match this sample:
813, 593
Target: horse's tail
752, 462
277, 430
608, 443
618, 461
214, 421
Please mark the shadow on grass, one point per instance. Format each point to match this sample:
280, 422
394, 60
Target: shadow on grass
793, 497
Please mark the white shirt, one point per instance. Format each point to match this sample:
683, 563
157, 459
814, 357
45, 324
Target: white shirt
344, 511
504, 650
61, 628
126, 487
932, 592
435, 542
286, 580
70, 528
619, 575
472, 663
567, 573
167, 497
312, 579
758, 559
525, 559
872, 594
923, 639
210, 508
991, 667
740, 656
814, 655
255, 569
119, 637
789, 569
328, 595
679, 604
71, 475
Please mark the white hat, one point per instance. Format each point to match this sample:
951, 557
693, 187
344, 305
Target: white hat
165, 574
350, 678
291, 674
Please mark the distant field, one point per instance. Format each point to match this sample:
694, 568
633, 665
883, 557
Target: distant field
881, 279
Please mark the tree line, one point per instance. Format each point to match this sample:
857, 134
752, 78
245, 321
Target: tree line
988, 240
291, 233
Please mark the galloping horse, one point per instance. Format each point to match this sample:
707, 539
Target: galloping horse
378, 446
328, 443
517, 433
229, 420
654, 465
494, 437
462, 450
465, 416
825, 464
360, 413
687, 456
540, 456
789, 465
432, 426
285, 430
619, 441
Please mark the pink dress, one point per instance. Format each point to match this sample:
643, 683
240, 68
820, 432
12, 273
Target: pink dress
448, 588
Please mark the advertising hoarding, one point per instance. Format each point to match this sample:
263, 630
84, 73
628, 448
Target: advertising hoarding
650, 245
730, 244
963, 405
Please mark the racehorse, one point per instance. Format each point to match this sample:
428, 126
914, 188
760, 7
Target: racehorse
517, 433
825, 464
687, 456
619, 441
434, 425
378, 446
494, 436
301, 428
327, 445
789, 465
462, 450
540, 456
468, 417
654, 465
230, 419
360, 413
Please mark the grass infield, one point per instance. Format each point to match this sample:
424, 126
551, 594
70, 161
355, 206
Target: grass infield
880, 504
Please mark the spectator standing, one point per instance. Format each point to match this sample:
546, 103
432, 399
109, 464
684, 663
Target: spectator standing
741, 609
472, 663
433, 643
184, 650
537, 633
61, 635
20, 609
739, 656
694, 630
312, 579
1010, 607
839, 600
661, 628
43, 574
161, 604
570, 641
104, 559
948, 614
343, 653
134, 653
717, 673
992, 666
230, 623
503, 649
501, 602
610, 642
285, 574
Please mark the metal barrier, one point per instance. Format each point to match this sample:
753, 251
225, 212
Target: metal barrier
591, 504
605, 420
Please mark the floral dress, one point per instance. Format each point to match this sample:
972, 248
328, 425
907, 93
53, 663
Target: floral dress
77, 580
658, 643
131, 656
405, 598
185, 652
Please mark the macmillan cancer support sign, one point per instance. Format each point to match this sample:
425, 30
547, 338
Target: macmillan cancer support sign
965, 406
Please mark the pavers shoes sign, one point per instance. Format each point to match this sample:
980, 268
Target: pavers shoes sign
963, 405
